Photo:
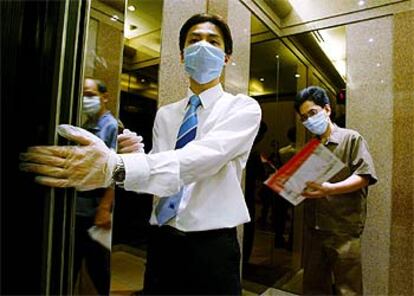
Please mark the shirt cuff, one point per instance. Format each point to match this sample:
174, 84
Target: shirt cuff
137, 170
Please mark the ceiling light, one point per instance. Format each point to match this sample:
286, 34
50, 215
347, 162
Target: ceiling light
131, 8
297, 75
142, 80
361, 2
261, 79
114, 18
371, 40
233, 64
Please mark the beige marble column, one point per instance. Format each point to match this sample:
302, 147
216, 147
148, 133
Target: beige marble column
402, 214
173, 81
236, 73
369, 111
109, 45
380, 106
105, 48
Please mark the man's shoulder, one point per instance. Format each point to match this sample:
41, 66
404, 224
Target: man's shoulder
108, 118
173, 106
240, 101
108, 123
346, 134
240, 97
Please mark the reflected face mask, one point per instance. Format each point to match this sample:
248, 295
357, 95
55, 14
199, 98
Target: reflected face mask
317, 124
203, 61
91, 105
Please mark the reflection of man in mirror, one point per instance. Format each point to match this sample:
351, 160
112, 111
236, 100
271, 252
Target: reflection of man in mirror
335, 211
287, 152
200, 148
93, 208
254, 178
281, 205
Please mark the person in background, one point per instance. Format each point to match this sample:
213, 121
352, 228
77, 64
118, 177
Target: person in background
287, 152
200, 147
270, 164
335, 211
281, 205
254, 177
93, 208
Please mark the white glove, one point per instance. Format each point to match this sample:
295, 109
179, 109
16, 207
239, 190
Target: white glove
129, 142
85, 167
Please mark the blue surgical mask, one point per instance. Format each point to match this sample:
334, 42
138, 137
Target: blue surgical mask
203, 61
318, 123
91, 105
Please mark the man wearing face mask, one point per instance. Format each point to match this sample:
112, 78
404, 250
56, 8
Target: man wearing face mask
93, 208
200, 148
193, 248
335, 211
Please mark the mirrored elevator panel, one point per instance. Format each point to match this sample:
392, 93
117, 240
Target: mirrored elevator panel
280, 67
99, 105
138, 105
42, 56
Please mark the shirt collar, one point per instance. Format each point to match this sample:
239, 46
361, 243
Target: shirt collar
335, 136
95, 124
208, 96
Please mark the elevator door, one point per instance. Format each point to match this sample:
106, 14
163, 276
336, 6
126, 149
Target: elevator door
42, 53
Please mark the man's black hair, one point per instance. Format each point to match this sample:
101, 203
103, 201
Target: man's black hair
203, 18
315, 94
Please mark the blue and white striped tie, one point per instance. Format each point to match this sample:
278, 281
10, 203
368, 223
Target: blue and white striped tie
167, 207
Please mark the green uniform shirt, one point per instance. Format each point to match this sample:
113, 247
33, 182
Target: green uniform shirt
343, 213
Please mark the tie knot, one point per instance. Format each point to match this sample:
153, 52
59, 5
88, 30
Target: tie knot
195, 101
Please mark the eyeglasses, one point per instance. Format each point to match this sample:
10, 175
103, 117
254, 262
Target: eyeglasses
310, 113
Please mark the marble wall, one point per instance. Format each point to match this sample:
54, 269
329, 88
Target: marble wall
402, 214
173, 81
237, 71
105, 50
370, 111
109, 46
380, 106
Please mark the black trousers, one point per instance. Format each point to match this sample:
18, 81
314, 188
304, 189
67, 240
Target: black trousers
97, 257
192, 263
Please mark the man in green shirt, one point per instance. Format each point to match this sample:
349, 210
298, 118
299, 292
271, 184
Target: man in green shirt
335, 211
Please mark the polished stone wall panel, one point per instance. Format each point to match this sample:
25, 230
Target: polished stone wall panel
402, 230
236, 72
109, 64
173, 81
370, 112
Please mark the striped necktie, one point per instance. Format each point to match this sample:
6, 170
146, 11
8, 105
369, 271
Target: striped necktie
167, 207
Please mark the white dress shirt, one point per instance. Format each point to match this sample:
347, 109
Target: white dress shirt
209, 167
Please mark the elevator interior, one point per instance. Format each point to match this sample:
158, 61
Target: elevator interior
57, 43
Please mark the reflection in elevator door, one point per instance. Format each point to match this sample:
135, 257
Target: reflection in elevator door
41, 56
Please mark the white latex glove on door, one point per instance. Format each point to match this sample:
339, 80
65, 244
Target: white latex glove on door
130, 142
85, 167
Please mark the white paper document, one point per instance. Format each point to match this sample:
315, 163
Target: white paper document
101, 235
314, 163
